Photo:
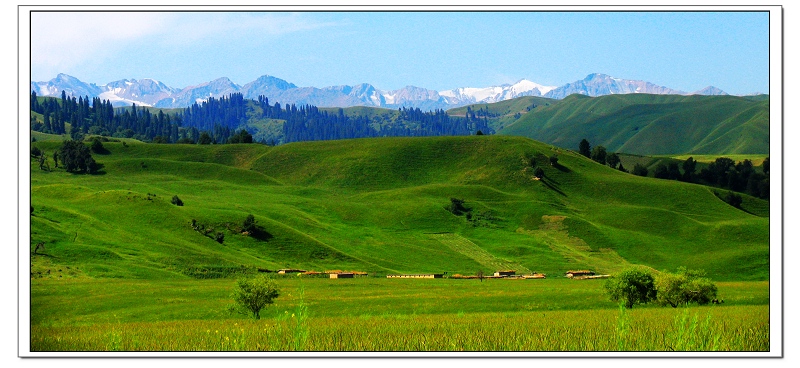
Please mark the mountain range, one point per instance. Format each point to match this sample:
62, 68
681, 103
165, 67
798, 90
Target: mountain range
149, 92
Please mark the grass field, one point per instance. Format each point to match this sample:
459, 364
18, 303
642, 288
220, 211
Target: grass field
645, 124
370, 314
121, 261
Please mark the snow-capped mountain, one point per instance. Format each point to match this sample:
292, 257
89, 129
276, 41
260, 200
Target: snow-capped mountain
467, 95
220, 87
149, 92
597, 84
146, 92
70, 85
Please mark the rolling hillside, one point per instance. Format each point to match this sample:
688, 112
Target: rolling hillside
379, 205
652, 124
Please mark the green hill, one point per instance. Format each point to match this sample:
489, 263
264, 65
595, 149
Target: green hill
652, 124
503, 113
380, 205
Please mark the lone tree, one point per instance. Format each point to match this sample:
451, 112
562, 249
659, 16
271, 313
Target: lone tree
684, 287
538, 172
253, 294
599, 154
612, 160
584, 148
632, 286
249, 224
553, 160
689, 168
177, 201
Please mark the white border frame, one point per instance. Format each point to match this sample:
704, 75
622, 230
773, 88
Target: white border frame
777, 260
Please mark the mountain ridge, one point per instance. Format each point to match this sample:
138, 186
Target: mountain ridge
150, 92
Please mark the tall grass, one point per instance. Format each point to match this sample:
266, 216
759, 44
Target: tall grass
741, 328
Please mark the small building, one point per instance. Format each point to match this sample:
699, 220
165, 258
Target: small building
341, 275
505, 273
417, 276
579, 274
290, 270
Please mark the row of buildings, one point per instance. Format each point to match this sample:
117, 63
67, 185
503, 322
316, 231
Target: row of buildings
502, 274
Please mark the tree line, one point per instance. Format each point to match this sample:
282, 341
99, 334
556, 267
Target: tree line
723, 173
309, 123
218, 121
99, 117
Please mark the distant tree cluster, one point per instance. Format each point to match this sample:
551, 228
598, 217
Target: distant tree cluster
600, 155
98, 117
218, 118
481, 113
308, 123
722, 173
218, 121
739, 177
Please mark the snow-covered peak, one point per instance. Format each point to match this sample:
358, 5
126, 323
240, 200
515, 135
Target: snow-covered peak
466, 95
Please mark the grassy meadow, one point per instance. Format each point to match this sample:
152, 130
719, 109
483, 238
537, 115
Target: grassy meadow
371, 314
123, 269
646, 124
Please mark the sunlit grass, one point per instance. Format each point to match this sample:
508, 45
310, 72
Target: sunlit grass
744, 328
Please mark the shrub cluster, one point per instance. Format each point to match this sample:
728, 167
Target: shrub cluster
638, 286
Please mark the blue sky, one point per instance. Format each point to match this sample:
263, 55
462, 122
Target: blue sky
436, 50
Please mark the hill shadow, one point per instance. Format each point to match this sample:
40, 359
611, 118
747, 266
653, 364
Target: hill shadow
562, 168
546, 181
261, 234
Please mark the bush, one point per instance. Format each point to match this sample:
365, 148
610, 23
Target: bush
220, 238
249, 224
97, 146
639, 170
684, 287
456, 206
177, 201
205, 138
253, 294
733, 199
632, 286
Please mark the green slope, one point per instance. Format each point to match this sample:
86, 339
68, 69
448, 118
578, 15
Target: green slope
379, 205
505, 112
652, 124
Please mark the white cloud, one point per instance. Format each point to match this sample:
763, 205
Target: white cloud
61, 41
